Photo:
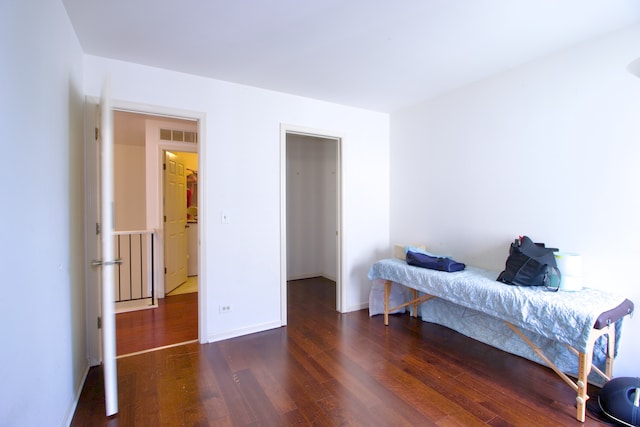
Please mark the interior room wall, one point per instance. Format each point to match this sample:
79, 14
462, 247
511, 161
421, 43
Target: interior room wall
311, 207
129, 187
330, 195
548, 149
131, 193
129, 184
240, 159
42, 317
190, 161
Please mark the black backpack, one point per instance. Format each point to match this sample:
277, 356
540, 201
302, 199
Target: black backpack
531, 264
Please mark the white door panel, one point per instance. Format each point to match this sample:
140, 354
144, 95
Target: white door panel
107, 254
175, 215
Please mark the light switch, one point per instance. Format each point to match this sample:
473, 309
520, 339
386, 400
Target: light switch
224, 217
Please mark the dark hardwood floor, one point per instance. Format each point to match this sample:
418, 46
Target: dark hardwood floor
331, 369
175, 320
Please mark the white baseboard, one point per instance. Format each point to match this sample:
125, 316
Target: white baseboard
127, 306
311, 276
362, 306
76, 398
243, 331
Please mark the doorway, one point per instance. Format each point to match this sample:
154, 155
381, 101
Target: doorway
311, 209
180, 207
92, 210
172, 319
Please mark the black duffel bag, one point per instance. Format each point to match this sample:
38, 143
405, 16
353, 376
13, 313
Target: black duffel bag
531, 264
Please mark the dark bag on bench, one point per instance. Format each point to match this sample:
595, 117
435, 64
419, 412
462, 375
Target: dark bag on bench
531, 264
434, 263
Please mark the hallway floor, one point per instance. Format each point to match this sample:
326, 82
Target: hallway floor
174, 321
191, 285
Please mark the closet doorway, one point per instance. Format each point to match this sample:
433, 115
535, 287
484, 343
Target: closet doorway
180, 207
311, 210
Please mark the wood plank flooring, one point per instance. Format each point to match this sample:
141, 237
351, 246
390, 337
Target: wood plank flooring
175, 320
331, 369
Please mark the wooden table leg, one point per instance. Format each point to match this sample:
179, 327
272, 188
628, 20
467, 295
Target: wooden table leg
414, 295
611, 349
584, 367
387, 292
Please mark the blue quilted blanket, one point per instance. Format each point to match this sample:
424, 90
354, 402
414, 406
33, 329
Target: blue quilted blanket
472, 300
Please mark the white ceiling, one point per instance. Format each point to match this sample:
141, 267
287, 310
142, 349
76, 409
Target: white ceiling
376, 54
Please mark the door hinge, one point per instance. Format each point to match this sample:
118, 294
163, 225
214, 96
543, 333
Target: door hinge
165, 270
165, 218
99, 322
164, 166
97, 228
97, 133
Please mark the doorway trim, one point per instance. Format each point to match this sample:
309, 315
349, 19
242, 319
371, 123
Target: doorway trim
93, 344
287, 129
154, 161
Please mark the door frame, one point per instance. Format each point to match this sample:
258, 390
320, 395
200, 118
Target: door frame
91, 215
173, 202
154, 158
341, 292
161, 290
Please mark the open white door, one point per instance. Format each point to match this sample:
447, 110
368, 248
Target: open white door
175, 221
108, 261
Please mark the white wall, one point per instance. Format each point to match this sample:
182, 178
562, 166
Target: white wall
129, 184
240, 174
549, 149
42, 318
129, 187
311, 207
